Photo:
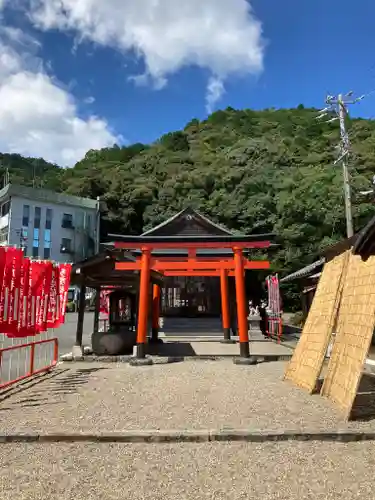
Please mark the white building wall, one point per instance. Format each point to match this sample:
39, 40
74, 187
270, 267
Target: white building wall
4, 221
82, 223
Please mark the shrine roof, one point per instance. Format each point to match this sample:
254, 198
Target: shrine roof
187, 217
99, 271
329, 253
365, 241
305, 272
190, 229
245, 238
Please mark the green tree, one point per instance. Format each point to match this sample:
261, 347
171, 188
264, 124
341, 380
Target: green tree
253, 171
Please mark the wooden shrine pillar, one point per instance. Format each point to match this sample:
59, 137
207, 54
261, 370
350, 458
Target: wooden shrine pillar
243, 332
225, 309
96, 311
233, 306
156, 292
77, 348
143, 307
113, 307
133, 310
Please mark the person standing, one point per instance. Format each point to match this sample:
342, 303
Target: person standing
263, 319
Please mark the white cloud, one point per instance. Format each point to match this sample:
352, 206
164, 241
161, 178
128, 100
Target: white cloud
89, 100
215, 91
19, 37
38, 117
9, 61
222, 36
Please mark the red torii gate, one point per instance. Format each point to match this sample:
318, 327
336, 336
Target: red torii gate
193, 266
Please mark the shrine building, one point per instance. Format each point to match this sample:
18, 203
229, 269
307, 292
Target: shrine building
199, 261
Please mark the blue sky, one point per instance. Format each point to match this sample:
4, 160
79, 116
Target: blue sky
307, 48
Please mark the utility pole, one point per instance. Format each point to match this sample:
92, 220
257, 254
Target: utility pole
345, 149
339, 105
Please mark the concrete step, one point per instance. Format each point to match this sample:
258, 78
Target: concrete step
191, 325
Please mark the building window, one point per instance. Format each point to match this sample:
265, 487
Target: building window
36, 232
36, 242
23, 237
67, 221
47, 234
49, 218
5, 208
26, 216
66, 245
4, 235
25, 227
37, 216
47, 243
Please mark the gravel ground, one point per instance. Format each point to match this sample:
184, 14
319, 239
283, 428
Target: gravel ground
287, 471
188, 395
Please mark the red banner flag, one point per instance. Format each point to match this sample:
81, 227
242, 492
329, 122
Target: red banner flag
63, 286
43, 299
10, 291
104, 301
2, 265
23, 299
36, 277
14, 292
53, 312
2, 296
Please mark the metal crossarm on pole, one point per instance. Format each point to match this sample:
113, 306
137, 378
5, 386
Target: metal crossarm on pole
339, 106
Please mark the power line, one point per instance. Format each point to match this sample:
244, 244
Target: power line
338, 105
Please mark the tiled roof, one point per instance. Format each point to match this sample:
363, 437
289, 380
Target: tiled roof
304, 272
187, 211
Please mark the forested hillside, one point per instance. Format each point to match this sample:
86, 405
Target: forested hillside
253, 171
30, 171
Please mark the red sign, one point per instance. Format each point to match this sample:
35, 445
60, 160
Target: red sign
2, 267
23, 308
10, 291
43, 300
2, 291
36, 278
14, 292
64, 280
33, 294
104, 301
53, 312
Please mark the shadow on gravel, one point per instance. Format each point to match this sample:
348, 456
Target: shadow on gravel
68, 382
364, 403
174, 349
178, 351
28, 384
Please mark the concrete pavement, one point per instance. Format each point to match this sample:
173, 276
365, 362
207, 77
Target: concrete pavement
67, 332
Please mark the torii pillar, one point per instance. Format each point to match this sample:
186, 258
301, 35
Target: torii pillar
143, 310
225, 310
243, 331
156, 292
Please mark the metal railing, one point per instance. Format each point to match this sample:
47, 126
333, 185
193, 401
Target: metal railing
275, 327
20, 361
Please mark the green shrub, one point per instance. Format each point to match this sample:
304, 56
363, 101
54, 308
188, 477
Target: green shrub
297, 319
70, 307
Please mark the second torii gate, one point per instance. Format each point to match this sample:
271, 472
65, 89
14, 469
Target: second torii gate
193, 265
